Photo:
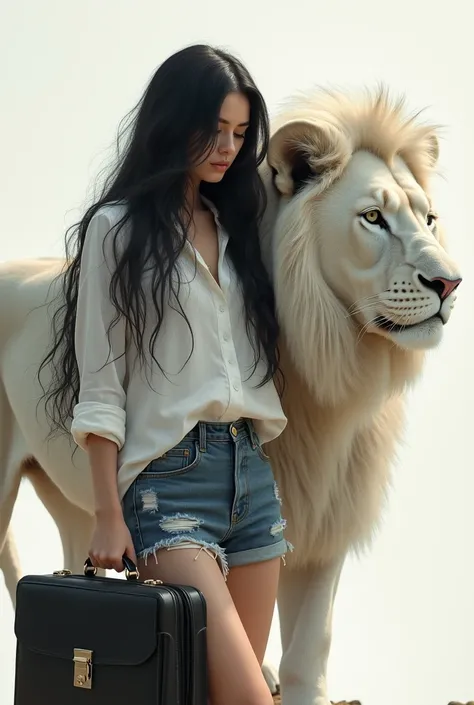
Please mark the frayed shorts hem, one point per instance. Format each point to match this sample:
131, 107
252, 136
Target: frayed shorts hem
259, 555
176, 542
225, 560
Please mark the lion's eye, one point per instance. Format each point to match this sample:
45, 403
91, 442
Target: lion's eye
375, 217
431, 219
372, 216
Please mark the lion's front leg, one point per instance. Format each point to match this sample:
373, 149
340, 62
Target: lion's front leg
75, 526
305, 604
10, 565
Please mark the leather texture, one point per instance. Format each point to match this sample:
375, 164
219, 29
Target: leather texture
148, 642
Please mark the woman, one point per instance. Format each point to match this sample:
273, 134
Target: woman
170, 315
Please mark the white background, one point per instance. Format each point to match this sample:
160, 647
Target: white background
404, 620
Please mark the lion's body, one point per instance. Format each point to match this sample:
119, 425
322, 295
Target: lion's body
345, 369
330, 512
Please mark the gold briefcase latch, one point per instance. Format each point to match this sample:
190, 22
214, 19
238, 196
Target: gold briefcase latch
82, 668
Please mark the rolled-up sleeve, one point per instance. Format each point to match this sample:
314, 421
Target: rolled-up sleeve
99, 343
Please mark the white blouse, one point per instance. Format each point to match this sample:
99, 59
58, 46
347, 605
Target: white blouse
144, 411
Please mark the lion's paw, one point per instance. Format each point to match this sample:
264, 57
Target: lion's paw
270, 674
277, 701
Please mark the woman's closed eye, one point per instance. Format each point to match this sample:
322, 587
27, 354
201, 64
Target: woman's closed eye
236, 134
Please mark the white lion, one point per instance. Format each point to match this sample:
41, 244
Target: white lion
363, 286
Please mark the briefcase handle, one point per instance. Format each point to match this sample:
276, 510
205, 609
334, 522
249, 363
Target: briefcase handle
131, 570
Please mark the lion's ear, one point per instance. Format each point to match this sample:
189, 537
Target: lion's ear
421, 153
306, 150
432, 148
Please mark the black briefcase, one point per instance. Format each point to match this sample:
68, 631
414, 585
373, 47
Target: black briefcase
88, 640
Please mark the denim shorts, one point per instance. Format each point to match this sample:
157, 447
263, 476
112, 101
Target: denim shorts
215, 491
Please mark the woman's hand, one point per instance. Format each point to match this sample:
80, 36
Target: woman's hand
110, 541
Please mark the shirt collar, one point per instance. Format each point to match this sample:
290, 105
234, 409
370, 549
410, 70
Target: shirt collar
211, 207
221, 233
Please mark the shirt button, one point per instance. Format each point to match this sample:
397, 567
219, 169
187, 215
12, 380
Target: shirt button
221, 308
226, 337
236, 386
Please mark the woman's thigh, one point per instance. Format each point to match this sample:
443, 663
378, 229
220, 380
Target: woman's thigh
254, 589
235, 676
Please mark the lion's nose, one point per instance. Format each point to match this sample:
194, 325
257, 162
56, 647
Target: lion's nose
443, 287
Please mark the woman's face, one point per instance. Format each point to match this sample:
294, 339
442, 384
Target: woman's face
234, 118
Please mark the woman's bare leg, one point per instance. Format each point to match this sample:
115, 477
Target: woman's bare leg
253, 589
235, 676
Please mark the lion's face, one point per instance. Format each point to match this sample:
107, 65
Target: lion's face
381, 252
358, 233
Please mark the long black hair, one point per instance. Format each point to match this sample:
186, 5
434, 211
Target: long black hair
178, 110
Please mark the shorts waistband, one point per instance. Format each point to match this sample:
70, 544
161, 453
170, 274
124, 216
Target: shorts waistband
206, 431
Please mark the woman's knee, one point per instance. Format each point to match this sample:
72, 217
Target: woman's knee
260, 696
244, 695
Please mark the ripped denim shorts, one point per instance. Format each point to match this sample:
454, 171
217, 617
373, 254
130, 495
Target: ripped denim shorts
214, 491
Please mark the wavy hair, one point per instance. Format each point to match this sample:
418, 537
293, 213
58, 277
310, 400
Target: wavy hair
179, 108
